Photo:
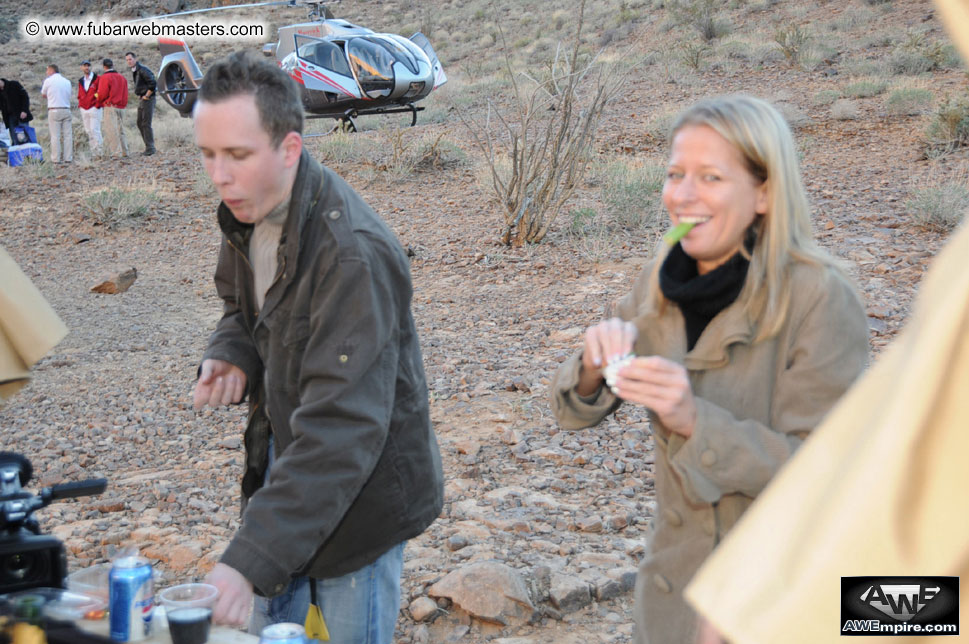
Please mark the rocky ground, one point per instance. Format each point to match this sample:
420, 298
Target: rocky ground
542, 529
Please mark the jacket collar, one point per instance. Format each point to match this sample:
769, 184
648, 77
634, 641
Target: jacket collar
304, 199
730, 326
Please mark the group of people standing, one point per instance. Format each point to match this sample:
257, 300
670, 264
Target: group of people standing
101, 99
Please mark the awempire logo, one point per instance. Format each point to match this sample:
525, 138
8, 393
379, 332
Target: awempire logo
900, 606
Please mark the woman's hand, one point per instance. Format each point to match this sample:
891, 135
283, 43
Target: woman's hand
604, 342
663, 386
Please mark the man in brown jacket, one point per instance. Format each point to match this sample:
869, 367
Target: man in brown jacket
342, 466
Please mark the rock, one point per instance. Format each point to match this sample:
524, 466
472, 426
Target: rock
421, 635
488, 590
566, 335
456, 542
469, 447
116, 283
569, 593
184, 556
625, 576
423, 609
232, 442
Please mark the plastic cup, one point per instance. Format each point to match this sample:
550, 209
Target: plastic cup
189, 611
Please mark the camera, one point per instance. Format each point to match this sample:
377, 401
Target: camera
28, 558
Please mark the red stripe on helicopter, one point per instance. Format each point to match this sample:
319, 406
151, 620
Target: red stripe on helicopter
321, 77
169, 41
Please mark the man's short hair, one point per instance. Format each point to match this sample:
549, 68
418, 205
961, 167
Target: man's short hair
54, 67
132, 54
107, 63
276, 94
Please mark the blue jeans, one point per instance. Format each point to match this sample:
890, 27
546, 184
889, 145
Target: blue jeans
358, 608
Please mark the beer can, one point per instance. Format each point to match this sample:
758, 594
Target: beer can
283, 633
131, 599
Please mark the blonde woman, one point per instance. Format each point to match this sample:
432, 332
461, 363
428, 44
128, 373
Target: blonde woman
745, 334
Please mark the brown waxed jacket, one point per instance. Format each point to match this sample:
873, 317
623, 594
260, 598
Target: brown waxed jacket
755, 404
333, 360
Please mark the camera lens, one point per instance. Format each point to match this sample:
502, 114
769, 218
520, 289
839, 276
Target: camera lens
17, 566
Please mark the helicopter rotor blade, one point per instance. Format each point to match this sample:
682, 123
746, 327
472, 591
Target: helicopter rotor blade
279, 3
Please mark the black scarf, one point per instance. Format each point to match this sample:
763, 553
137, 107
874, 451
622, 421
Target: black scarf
700, 297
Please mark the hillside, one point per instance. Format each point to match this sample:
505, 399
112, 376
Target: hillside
863, 83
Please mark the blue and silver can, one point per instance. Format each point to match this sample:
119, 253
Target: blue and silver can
284, 633
131, 599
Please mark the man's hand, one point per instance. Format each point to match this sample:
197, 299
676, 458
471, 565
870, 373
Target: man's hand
235, 596
23, 115
219, 383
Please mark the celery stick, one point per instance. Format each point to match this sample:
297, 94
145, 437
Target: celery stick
677, 233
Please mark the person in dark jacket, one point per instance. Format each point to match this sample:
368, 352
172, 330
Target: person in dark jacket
14, 104
144, 82
342, 466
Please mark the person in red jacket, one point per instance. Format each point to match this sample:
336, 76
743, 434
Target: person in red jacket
112, 97
87, 90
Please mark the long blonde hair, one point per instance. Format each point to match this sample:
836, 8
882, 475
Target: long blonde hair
758, 131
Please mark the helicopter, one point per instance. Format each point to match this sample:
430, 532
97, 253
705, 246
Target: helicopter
343, 70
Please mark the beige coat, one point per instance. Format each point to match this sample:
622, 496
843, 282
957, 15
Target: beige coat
755, 404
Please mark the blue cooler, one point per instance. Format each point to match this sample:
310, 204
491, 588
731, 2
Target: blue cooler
18, 154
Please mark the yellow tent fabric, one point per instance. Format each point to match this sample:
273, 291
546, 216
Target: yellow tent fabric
29, 327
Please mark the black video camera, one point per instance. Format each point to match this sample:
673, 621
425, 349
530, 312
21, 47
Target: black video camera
29, 559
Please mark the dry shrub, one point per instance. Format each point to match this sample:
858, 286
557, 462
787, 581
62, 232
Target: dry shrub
539, 159
115, 207
940, 208
845, 109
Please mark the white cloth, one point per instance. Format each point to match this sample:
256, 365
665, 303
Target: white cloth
61, 136
91, 118
86, 80
57, 90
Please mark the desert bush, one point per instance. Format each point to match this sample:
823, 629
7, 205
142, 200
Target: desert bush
909, 63
940, 208
631, 194
949, 127
916, 54
344, 147
404, 154
702, 15
792, 41
909, 101
876, 2
865, 88
536, 165
581, 221
692, 54
845, 109
172, 132
114, 207
826, 97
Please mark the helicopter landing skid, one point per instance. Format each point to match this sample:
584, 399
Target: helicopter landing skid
346, 122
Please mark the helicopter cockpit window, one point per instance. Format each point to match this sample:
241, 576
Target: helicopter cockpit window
373, 64
322, 53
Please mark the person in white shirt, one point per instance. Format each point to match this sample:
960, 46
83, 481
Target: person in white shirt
57, 90
87, 90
